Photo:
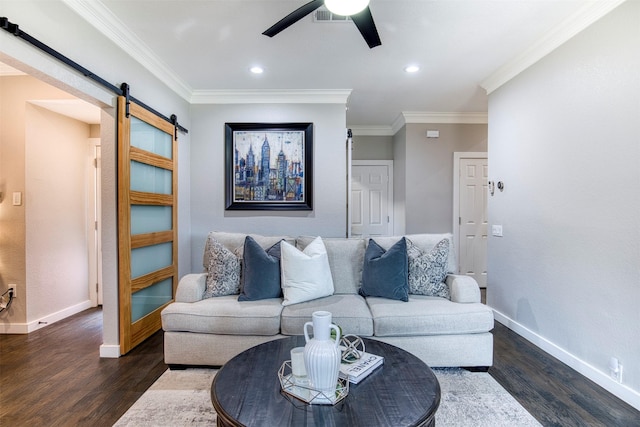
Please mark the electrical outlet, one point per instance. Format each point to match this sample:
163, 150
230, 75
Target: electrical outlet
15, 289
615, 369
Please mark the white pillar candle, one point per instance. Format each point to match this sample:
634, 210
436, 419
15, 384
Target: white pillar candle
297, 362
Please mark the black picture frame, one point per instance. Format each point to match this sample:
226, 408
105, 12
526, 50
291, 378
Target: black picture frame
284, 181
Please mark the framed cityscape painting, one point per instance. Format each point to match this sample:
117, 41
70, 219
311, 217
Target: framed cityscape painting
269, 166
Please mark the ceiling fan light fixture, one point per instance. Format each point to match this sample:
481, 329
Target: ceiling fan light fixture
346, 7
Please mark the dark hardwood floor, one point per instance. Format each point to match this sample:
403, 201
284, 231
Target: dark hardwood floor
55, 377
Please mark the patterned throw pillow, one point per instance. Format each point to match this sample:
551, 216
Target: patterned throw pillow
427, 271
223, 270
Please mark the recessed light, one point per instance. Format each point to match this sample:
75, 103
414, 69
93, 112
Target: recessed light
256, 70
411, 68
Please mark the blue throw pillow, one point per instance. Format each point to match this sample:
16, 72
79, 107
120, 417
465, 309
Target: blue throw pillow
385, 273
260, 272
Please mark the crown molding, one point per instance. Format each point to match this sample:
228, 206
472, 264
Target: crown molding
372, 130
271, 96
433, 117
571, 26
101, 18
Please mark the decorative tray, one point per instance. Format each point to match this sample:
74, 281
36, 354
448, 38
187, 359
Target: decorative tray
308, 394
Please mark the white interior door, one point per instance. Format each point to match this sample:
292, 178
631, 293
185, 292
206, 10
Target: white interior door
371, 199
472, 218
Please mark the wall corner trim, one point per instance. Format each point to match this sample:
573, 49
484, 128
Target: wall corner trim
571, 26
109, 351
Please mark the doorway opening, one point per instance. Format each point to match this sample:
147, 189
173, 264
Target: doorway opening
52, 140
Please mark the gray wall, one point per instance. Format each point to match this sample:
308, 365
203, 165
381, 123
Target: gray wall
329, 216
367, 147
427, 172
563, 136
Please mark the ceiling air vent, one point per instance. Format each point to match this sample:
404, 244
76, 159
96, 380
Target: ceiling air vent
322, 14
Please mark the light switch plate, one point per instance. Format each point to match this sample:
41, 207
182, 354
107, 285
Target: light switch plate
17, 198
496, 230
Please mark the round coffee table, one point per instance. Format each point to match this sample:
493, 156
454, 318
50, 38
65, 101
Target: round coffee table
402, 392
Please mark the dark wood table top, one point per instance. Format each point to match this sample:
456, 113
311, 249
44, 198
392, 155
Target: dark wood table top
402, 392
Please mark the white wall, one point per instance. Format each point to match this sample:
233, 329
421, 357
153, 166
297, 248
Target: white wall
208, 213
56, 25
56, 214
564, 138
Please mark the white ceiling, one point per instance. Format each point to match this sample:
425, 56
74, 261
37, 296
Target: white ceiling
208, 46
74, 108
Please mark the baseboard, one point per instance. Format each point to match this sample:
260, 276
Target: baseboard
25, 328
109, 351
621, 391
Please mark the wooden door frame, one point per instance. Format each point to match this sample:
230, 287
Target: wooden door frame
390, 204
457, 156
94, 222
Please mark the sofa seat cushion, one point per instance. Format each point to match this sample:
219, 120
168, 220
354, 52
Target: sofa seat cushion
225, 316
350, 312
425, 315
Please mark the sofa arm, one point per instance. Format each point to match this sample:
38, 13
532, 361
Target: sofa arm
191, 287
463, 289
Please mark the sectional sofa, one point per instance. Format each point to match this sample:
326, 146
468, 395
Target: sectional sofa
259, 288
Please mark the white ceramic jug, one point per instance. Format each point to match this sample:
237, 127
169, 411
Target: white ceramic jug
322, 354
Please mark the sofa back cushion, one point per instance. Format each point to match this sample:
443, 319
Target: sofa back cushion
426, 242
346, 258
235, 242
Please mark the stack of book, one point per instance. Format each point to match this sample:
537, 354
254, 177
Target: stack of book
361, 368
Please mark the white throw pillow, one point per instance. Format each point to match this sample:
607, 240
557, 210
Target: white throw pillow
306, 275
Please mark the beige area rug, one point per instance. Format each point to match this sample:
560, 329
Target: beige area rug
182, 398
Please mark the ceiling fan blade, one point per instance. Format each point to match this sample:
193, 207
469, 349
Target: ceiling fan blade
293, 17
364, 22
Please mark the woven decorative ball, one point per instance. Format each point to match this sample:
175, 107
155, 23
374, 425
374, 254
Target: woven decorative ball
352, 348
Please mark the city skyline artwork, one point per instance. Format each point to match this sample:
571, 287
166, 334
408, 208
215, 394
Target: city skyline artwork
269, 166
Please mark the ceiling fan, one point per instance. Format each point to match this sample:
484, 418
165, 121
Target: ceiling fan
358, 10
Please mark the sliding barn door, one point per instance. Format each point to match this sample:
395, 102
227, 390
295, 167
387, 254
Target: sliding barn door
147, 221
